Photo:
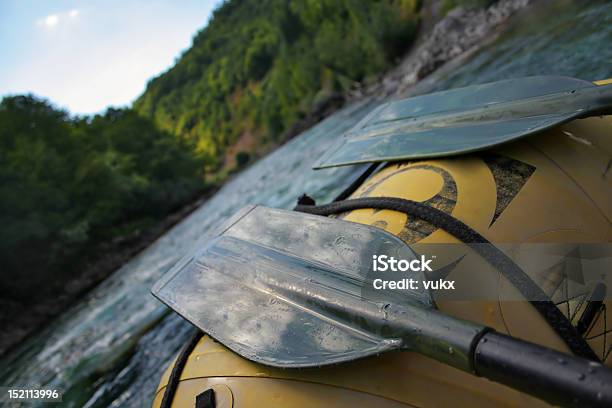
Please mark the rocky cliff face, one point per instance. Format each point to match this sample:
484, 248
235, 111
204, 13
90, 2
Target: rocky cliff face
460, 31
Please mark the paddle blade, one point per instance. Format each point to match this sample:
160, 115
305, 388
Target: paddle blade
467, 119
286, 289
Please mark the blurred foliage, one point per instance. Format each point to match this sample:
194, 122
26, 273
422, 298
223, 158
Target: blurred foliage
242, 158
66, 184
262, 64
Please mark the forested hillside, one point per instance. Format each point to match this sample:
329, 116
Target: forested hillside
260, 65
67, 184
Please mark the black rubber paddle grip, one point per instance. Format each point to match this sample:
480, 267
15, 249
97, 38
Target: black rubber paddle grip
542, 372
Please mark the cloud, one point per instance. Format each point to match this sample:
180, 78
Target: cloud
53, 20
90, 56
50, 21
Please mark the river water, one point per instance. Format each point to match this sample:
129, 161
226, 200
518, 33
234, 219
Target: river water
111, 348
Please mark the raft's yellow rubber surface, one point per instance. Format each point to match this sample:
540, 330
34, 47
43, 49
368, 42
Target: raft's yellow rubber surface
555, 187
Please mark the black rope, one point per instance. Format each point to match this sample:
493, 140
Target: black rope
491, 253
175, 375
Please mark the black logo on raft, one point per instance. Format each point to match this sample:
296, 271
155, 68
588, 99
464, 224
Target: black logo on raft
510, 176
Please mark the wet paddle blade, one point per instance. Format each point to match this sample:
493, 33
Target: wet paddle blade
287, 289
467, 119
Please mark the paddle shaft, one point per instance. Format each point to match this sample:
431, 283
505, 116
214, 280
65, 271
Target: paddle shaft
550, 375
542, 372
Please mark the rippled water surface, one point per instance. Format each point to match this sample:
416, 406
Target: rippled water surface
112, 347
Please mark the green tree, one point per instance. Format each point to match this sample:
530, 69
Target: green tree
67, 184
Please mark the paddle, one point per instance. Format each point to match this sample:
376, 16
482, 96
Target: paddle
290, 289
467, 119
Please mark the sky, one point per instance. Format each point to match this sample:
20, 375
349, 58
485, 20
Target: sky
87, 55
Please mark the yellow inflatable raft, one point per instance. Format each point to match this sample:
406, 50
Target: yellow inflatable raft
551, 187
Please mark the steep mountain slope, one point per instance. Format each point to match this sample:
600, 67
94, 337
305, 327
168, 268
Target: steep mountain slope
260, 65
